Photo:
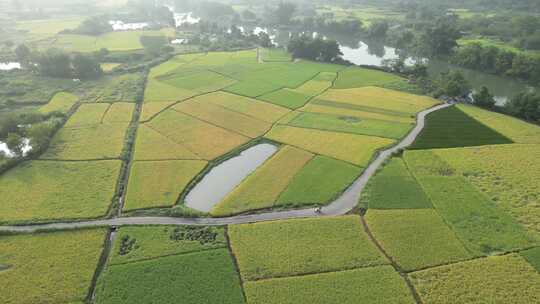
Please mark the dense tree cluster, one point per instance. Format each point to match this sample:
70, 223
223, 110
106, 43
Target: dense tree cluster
525, 106
56, 63
93, 26
304, 46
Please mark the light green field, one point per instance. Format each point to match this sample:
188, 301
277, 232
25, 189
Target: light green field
317, 85
415, 239
134, 244
262, 188
286, 98
49, 268
195, 278
88, 114
159, 183
109, 66
318, 182
513, 128
205, 140
406, 191
353, 148
374, 285
48, 27
46, 190
253, 88
295, 247
119, 112
224, 118
200, 82
497, 279
278, 54
360, 112
355, 77
151, 109
61, 102
533, 257
104, 141
151, 145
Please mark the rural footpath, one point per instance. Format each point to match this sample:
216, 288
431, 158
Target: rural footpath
344, 204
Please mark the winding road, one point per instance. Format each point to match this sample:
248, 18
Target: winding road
345, 203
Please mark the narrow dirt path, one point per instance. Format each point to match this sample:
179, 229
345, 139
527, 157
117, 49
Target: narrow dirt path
345, 203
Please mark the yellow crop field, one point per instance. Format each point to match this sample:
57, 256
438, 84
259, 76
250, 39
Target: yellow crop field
159, 183
49, 268
88, 114
104, 141
249, 106
44, 190
381, 98
203, 139
261, 189
151, 109
159, 91
222, 117
119, 112
151, 145
508, 174
345, 111
356, 149
61, 102
513, 128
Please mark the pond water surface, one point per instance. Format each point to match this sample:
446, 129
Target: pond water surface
223, 178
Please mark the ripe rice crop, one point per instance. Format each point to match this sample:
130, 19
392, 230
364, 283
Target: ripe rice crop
318, 182
262, 188
513, 128
103, 141
374, 285
295, 247
224, 118
356, 149
55, 267
415, 238
119, 112
159, 183
342, 109
157, 91
151, 109
61, 102
44, 190
497, 279
151, 145
134, 244
195, 278
88, 114
203, 139
533, 257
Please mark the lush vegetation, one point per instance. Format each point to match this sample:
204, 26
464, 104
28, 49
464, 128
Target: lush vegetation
61, 102
54, 267
533, 257
354, 77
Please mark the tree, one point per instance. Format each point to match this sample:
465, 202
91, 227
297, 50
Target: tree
15, 144
318, 49
55, 63
378, 29
284, 12
23, 54
440, 38
94, 26
526, 106
264, 40
86, 67
453, 84
484, 99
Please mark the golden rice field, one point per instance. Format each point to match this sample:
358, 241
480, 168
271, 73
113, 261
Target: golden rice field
353, 148
151, 109
120, 112
203, 139
155, 184
363, 113
49, 268
261, 189
61, 102
517, 130
151, 145
88, 114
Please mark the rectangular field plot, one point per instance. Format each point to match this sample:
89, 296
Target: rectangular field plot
318, 182
349, 110
507, 174
104, 141
513, 128
44, 190
151, 109
376, 285
157, 91
134, 244
295, 247
201, 82
248, 106
159, 183
354, 77
415, 239
394, 188
61, 102
88, 114
119, 112
286, 98
203, 139
353, 148
151, 145
351, 124
497, 279
195, 278
317, 85
252, 88
224, 118
262, 188
383, 99
451, 127
55, 267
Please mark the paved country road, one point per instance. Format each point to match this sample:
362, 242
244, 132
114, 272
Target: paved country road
345, 203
